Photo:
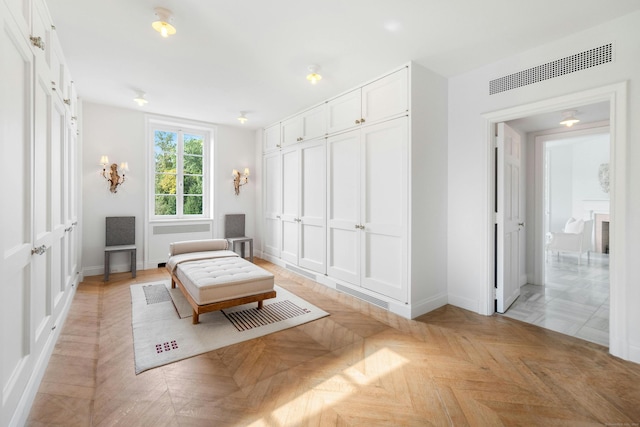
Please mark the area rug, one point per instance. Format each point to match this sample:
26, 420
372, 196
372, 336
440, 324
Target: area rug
163, 332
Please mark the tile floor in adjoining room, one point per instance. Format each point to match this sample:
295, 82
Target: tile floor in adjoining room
575, 300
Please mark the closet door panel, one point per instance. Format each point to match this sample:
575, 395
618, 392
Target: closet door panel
42, 263
343, 111
386, 97
343, 206
271, 137
312, 207
314, 123
16, 64
272, 204
290, 202
384, 208
291, 130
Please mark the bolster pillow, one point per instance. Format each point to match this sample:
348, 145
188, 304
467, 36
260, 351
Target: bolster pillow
187, 246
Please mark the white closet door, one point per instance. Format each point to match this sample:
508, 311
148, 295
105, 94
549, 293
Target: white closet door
42, 264
383, 207
312, 206
56, 183
15, 218
313, 123
291, 131
71, 214
386, 97
272, 204
343, 207
290, 203
343, 111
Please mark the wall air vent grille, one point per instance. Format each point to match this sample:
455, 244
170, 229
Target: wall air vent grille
579, 61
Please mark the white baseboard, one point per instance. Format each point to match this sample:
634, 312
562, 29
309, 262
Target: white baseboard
429, 304
464, 302
98, 270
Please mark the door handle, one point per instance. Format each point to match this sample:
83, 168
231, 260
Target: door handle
521, 224
39, 250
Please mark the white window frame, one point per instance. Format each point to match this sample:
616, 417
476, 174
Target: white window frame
170, 124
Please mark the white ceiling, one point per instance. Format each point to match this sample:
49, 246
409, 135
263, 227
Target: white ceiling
252, 55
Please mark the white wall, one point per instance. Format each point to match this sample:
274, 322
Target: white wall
574, 165
469, 99
120, 134
560, 186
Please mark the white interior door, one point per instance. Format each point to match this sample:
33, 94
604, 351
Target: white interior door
509, 218
312, 207
343, 206
290, 203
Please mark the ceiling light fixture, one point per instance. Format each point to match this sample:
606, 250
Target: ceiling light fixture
313, 75
140, 99
163, 23
242, 118
569, 119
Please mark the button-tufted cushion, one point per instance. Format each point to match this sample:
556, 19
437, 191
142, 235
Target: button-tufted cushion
220, 279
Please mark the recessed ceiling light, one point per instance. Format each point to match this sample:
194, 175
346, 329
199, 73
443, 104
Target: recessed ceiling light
242, 118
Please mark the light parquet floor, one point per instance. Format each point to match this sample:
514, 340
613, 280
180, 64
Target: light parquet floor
361, 366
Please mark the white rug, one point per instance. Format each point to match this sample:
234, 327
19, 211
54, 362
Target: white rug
163, 332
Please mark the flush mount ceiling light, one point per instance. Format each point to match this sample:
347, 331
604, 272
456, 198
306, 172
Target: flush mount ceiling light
163, 23
140, 99
569, 118
313, 75
242, 118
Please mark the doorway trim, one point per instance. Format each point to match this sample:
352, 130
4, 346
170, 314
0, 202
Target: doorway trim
616, 94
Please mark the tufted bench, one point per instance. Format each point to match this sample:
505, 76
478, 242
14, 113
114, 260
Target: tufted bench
213, 278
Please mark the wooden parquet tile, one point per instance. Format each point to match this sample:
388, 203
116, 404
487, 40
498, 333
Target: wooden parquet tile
361, 366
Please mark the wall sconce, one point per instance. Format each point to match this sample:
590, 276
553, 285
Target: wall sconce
112, 175
239, 180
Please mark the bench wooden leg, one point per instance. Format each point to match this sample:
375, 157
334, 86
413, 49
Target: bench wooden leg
195, 320
259, 305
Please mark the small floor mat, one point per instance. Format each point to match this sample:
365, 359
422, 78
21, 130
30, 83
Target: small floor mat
156, 293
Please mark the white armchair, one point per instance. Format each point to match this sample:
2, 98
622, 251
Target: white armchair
576, 237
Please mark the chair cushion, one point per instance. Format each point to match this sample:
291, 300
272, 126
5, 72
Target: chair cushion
574, 226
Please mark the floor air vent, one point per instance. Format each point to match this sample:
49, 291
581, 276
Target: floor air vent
579, 61
300, 272
365, 297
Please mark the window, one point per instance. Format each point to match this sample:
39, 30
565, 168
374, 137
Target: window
179, 171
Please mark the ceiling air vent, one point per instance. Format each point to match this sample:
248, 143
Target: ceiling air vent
579, 61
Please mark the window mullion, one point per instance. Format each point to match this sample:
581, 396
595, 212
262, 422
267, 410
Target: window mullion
180, 175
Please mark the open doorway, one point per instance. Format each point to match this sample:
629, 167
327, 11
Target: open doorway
567, 258
616, 95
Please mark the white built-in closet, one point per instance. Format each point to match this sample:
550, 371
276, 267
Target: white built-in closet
39, 217
355, 191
